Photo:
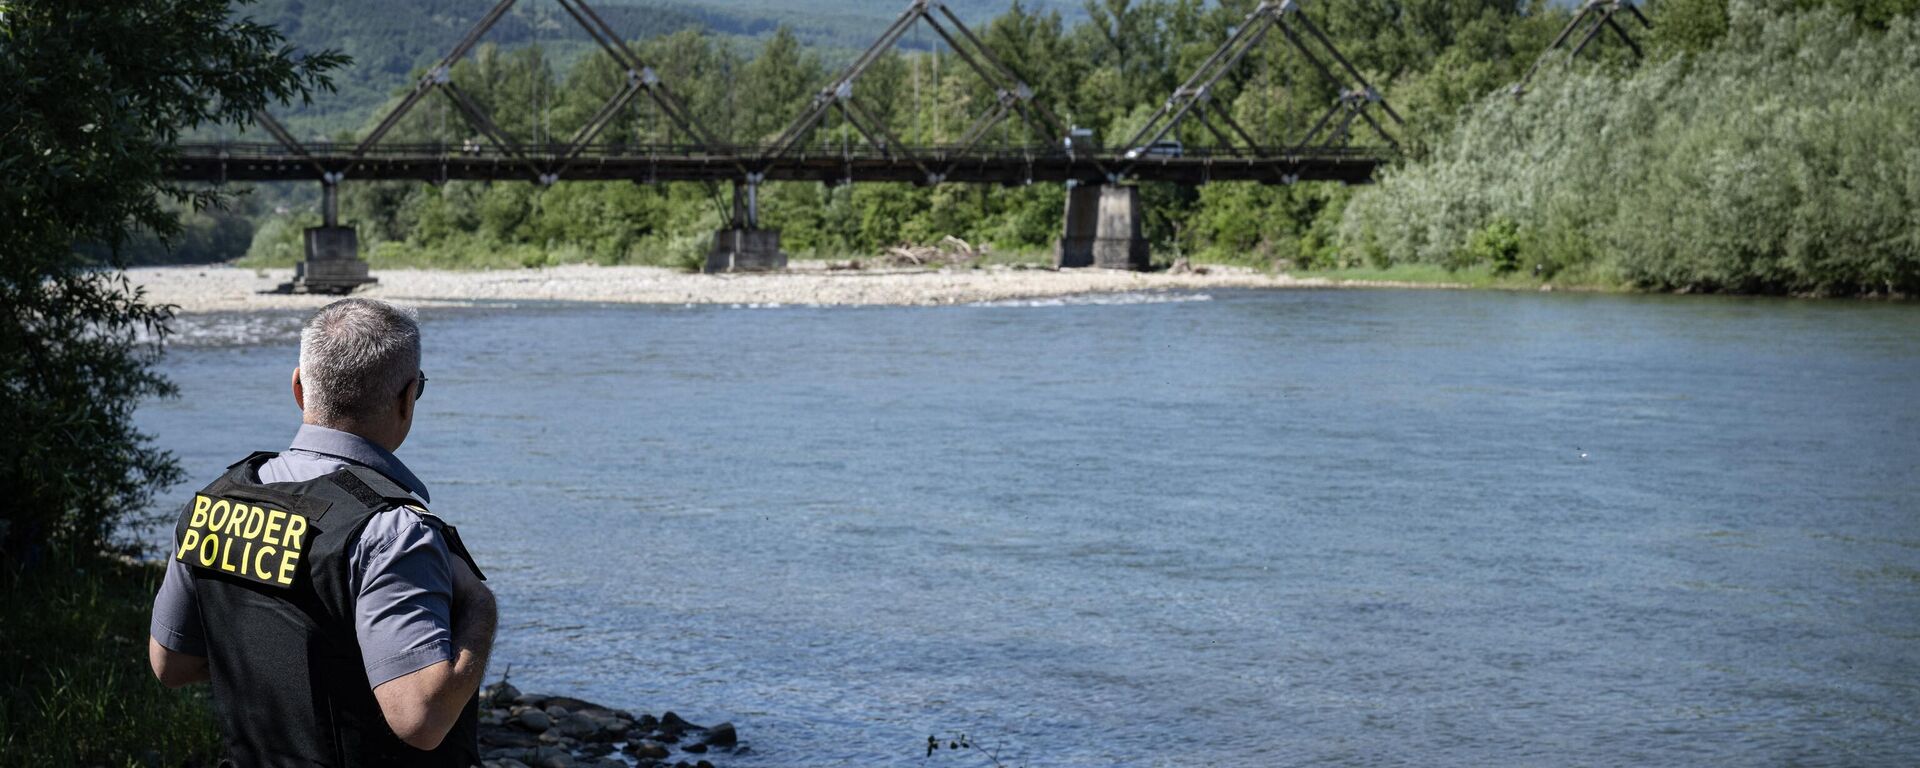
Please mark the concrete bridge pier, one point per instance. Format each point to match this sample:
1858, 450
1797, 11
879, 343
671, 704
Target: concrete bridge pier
743, 246
1102, 228
333, 263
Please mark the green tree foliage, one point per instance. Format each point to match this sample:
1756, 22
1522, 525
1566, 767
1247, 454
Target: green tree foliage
96, 92
1782, 160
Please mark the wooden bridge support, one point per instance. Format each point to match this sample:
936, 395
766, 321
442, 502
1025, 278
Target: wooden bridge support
1103, 229
743, 246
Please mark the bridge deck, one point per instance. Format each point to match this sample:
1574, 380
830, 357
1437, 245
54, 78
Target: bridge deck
435, 163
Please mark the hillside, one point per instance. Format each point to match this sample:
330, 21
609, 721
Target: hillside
390, 40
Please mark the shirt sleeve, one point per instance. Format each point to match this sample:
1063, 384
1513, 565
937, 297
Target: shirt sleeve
402, 617
176, 613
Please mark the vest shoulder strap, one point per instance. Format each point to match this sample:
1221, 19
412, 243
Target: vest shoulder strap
260, 455
373, 489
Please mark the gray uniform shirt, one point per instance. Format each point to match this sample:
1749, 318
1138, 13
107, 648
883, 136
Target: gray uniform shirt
402, 569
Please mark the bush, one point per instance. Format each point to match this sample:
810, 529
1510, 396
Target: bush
1497, 244
1780, 161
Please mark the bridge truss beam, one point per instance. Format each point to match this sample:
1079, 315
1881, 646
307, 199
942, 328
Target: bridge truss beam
1595, 16
1013, 96
545, 167
222, 163
1193, 100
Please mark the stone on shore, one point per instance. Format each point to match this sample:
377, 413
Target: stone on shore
498, 736
577, 725
536, 731
648, 750
499, 694
532, 720
722, 735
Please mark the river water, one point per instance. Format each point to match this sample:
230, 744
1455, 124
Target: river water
1238, 529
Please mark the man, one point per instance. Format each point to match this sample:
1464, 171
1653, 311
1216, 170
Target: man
340, 623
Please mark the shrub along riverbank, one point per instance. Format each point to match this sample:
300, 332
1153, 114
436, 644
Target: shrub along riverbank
1784, 160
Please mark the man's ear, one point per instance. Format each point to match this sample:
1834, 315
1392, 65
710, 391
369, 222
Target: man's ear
406, 401
299, 392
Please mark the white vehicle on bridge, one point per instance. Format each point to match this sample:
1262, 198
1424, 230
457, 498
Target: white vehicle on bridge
1161, 148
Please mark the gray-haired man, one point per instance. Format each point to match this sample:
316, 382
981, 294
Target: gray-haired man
339, 622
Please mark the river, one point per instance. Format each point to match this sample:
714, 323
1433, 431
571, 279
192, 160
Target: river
1329, 527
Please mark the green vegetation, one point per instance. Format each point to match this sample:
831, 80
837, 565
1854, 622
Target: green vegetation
85, 132
1107, 73
1760, 147
86, 123
1781, 159
74, 685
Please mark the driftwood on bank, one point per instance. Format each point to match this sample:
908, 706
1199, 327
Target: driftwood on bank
949, 252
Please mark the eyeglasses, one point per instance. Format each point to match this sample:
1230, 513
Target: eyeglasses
423, 386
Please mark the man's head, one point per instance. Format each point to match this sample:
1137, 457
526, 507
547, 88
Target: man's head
360, 370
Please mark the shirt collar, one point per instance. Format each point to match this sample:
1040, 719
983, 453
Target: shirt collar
314, 438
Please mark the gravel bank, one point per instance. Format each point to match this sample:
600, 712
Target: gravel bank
228, 289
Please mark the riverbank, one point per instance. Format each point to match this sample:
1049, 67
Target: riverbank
75, 690
228, 289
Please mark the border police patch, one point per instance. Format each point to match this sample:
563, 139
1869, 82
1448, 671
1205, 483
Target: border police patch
257, 543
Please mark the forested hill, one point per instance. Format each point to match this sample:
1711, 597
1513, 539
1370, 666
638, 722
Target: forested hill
390, 40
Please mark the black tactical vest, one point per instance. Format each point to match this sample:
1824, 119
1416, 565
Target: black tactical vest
270, 572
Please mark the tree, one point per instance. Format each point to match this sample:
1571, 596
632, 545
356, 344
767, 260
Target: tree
774, 87
96, 94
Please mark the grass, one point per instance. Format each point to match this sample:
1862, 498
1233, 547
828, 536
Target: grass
74, 684
1479, 277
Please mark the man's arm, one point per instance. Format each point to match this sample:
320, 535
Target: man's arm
182, 658
174, 668
422, 706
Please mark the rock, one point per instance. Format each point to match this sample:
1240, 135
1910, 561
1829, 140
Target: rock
498, 736
532, 720
612, 728
556, 711
648, 750
571, 704
683, 764
694, 748
550, 757
594, 750
703, 764
648, 722
722, 735
577, 725
672, 722
530, 700
504, 762
499, 694
551, 736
